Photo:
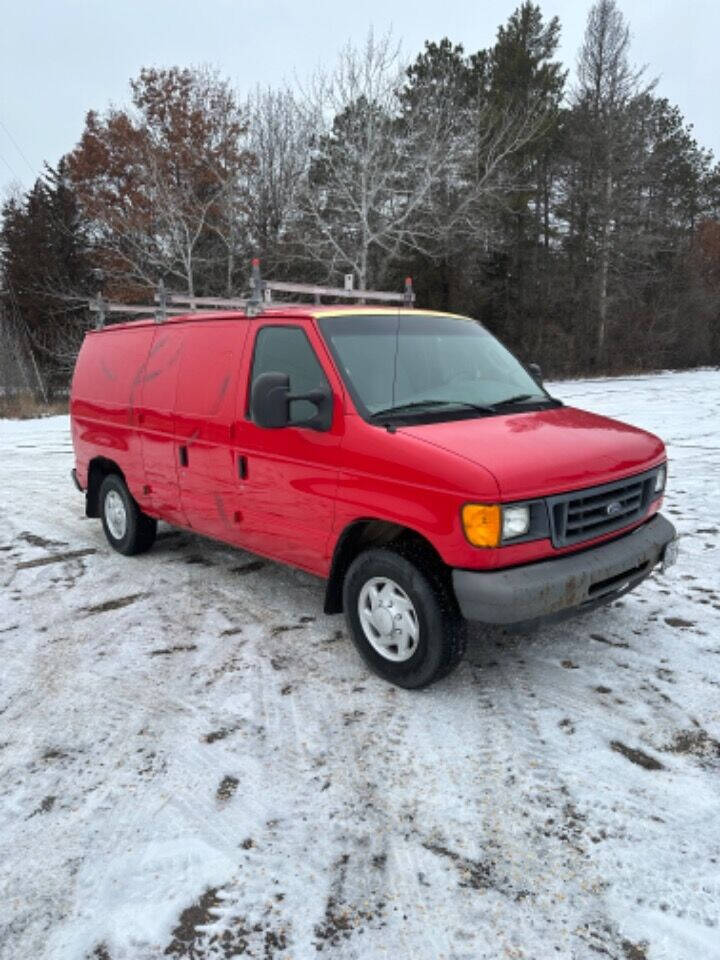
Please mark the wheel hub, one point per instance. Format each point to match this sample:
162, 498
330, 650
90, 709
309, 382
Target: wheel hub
382, 619
388, 619
115, 514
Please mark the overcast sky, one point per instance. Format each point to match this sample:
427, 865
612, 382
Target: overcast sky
59, 58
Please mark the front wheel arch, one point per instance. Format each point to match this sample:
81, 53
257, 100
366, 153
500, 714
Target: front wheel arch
366, 533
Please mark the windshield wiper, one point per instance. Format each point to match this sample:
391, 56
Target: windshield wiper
401, 408
487, 408
522, 397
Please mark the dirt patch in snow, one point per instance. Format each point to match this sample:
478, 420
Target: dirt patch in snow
695, 743
285, 628
634, 951
35, 540
636, 756
342, 919
228, 786
178, 648
116, 604
192, 940
45, 807
55, 558
611, 643
477, 874
220, 734
186, 937
100, 953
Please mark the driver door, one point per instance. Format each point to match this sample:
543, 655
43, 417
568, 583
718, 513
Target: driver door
291, 473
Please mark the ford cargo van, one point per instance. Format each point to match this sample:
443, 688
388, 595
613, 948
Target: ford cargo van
403, 455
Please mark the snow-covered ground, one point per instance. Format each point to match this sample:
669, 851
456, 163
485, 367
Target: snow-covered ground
195, 764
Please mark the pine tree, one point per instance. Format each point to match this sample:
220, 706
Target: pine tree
524, 76
47, 270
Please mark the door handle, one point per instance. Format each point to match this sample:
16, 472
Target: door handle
183, 455
242, 466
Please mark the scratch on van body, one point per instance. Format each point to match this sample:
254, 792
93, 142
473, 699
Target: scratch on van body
220, 506
142, 376
107, 371
158, 345
221, 393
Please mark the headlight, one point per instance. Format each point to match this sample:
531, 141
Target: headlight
660, 477
516, 522
489, 525
481, 523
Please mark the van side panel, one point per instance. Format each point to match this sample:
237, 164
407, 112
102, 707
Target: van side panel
107, 379
155, 414
210, 475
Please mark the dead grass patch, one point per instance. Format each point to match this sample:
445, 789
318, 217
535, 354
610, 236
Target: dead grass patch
23, 406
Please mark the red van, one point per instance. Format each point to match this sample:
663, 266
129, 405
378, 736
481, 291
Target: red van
404, 455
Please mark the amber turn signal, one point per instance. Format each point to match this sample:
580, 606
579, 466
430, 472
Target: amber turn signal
482, 524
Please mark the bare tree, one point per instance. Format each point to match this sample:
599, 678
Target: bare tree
363, 185
161, 184
391, 175
279, 141
481, 168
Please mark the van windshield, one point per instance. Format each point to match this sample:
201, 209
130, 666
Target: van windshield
420, 366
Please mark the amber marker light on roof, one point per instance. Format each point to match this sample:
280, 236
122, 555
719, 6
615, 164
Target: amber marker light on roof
482, 524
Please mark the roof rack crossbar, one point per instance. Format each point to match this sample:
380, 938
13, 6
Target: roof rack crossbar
192, 302
314, 290
110, 307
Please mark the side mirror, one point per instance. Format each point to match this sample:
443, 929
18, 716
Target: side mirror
535, 372
270, 401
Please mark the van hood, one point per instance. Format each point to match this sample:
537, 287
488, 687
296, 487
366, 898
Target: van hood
545, 452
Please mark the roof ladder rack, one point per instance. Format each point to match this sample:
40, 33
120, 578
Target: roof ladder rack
261, 295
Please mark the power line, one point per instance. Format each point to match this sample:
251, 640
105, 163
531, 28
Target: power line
12, 171
17, 146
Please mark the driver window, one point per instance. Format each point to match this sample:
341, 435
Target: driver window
288, 350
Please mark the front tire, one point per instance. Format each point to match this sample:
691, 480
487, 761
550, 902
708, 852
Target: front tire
127, 528
402, 619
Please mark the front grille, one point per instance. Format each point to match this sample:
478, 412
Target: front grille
586, 514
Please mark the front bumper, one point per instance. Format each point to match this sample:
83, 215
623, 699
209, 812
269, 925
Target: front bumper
567, 584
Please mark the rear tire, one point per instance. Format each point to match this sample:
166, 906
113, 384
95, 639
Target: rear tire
402, 619
127, 528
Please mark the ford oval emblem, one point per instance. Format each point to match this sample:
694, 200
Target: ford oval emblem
612, 509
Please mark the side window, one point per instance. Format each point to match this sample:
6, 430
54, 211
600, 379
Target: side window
288, 350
